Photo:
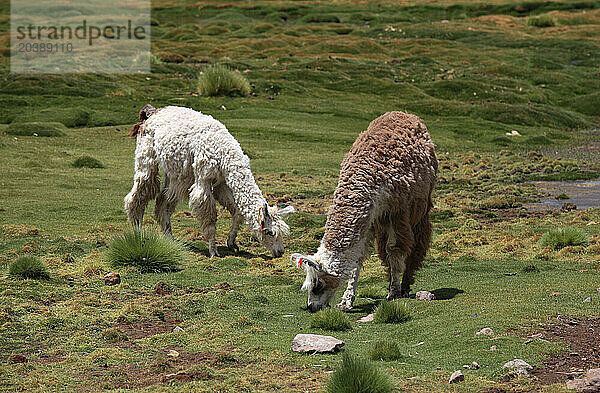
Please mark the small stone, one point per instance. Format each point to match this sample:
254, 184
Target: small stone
518, 366
587, 300
173, 353
366, 318
162, 288
456, 377
424, 295
112, 278
589, 383
314, 343
493, 347
485, 331
177, 329
474, 366
17, 358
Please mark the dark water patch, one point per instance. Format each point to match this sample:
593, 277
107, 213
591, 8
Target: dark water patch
583, 193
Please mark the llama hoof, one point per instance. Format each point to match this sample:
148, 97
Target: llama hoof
393, 296
233, 247
344, 306
214, 254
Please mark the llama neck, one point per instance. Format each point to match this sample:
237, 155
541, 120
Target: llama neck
246, 194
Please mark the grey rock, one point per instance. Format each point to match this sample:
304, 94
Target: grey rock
589, 383
424, 295
456, 377
314, 343
177, 329
518, 366
485, 332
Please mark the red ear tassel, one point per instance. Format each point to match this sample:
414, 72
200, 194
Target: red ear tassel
300, 263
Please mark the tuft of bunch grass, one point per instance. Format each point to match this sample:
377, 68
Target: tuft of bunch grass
147, 251
355, 375
395, 311
221, 81
385, 350
562, 237
87, 162
28, 267
541, 21
332, 319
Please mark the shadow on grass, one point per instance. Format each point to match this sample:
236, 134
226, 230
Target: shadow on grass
201, 247
445, 293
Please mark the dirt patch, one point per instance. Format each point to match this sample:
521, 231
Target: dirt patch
582, 337
135, 331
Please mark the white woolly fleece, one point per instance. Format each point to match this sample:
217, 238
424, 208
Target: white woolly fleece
189, 145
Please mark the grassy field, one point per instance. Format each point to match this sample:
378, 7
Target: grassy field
320, 72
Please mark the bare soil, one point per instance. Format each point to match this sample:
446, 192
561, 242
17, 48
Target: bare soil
582, 337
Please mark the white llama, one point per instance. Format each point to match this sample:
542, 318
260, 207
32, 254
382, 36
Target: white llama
203, 162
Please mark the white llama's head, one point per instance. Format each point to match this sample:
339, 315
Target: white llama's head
273, 229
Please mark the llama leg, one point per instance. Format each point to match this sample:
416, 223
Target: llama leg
202, 204
414, 261
397, 265
224, 195
146, 183
350, 293
166, 203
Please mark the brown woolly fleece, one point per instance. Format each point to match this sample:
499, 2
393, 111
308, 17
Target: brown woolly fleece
386, 181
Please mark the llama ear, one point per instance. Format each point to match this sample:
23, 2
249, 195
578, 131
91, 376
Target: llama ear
266, 212
286, 210
303, 262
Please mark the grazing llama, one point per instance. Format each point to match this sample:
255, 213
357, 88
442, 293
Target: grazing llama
200, 161
384, 192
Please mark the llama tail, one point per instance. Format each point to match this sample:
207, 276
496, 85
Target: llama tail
145, 113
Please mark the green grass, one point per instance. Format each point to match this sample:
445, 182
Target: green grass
221, 81
51, 129
332, 319
28, 267
355, 375
563, 237
87, 162
147, 251
385, 350
395, 311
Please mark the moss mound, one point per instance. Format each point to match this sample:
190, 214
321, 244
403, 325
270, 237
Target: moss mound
35, 128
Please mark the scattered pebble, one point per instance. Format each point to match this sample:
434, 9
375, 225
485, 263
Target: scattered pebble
513, 133
589, 383
314, 343
177, 329
474, 366
173, 353
587, 300
493, 347
112, 278
366, 318
485, 331
456, 377
424, 295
